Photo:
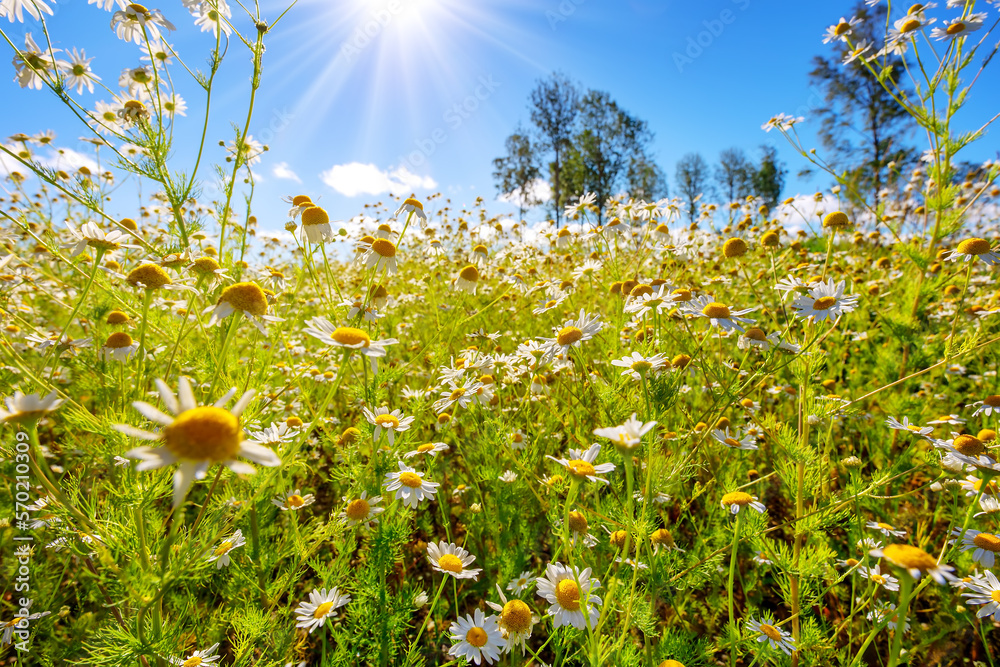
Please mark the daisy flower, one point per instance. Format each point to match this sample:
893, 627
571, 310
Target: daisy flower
322, 604
563, 587
521, 582
247, 299
381, 254
885, 610
736, 500
315, 223
468, 279
15, 9
915, 561
986, 545
886, 529
409, 485
221, 553
293, 500
581, 464
718, 314
771, 634
348, 338
905, 425
734, 441
515, 622
985, 590
887, 581
841, 31
32, 62
429, 448
972, 249
628, 436
987, 406
199, 658
27, 409
135, 23
959, 27
451, 559
825, 301
572, 334
411, 205
362, 510
476, 638
392, 422
637, 365
196, 437
118, 347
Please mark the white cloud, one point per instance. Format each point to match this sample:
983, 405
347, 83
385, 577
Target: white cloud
69, 160
803, 212
539, 190
355, 179
283, 171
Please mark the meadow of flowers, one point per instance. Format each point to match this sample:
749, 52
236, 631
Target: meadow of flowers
430, 435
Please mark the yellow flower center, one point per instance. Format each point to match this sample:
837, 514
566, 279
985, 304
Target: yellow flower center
476, 636
516, 617
617, 539
384, 247
301, 200
836, 220
224, 548
885, 526
753, 333
715, 310
732, 442
247, 297
987, 541
193, 661
580, 468
314, 215
910, 557
205, 265
358, 509
641, 366
969, 445
450, 563
661, 536
842, 28
351, 337
569, 335
737, 498
118, 317
425, 447
878, 579
118, 340
410, 201
577, 522
955, 28
770, 631
680, 361
457, 394
568, 595
824, 303
150, 276
295, 500
910, 26
387, 421
469, 274
974, 246
734, 247
322, 610
204, 433
410, 479
993, 401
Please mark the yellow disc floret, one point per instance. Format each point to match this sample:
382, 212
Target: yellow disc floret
204, 433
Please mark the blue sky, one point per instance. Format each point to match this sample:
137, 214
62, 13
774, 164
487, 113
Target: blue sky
363, 96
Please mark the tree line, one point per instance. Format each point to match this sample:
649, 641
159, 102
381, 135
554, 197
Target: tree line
584, 141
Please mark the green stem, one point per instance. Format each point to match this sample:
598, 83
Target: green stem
904, 604
221, 365
732, 576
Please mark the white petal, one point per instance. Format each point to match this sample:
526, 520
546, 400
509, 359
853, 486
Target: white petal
167, 396
244, 401
152, 414
260, 454
136, 432
183, 478
186, 395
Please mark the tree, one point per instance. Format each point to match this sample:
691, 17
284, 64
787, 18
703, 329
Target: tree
861, 123
554, 104
734, 174
609, 146
692, 180
645, 179
769, 178
516, 173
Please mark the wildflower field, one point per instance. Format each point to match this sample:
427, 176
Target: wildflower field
649, 435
